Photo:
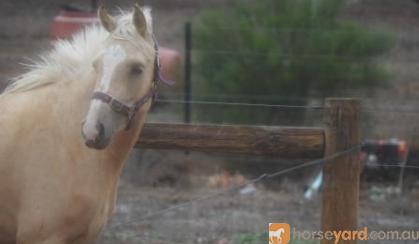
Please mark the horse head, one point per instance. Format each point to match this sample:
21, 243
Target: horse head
124, 73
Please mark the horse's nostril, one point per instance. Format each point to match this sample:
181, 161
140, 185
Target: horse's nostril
101, 132
90, 143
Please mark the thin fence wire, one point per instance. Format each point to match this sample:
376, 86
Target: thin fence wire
360, 59
390, 110
276, 29
370, 109
278, 54
273, 97
181, 95
212, 103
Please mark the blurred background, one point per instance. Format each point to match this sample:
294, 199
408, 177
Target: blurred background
233, 62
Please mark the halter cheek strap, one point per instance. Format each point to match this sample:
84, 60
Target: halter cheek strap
130, 111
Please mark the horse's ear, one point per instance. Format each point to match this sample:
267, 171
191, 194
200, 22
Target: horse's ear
108, 22
139, 20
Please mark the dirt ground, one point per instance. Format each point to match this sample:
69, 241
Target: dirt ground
156, 180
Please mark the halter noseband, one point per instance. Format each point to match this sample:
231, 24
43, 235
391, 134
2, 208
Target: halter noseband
130, 111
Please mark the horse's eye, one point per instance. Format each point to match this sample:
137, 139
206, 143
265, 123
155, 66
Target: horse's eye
136, 70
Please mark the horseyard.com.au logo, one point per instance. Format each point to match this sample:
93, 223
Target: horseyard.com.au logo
279, 233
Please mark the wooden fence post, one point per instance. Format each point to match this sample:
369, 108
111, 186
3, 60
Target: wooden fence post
341, 175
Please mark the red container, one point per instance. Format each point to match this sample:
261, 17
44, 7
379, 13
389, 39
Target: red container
68, 22
170, 61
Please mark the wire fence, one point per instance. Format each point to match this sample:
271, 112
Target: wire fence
380, 121
357, 59
258, 97
370, 109
261, 178
392, 56
278, 97
289, 30
242, 104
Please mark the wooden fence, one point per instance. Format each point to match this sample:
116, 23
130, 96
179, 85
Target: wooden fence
340, 133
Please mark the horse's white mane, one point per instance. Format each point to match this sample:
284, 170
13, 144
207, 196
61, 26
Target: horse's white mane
73, 58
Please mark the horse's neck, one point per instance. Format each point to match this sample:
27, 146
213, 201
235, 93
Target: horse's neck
125, 141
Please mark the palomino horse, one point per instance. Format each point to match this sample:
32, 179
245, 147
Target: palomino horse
67, 127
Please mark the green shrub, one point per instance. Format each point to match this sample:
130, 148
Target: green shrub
283, 48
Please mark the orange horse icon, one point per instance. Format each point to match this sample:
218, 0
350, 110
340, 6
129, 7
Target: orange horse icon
279, 233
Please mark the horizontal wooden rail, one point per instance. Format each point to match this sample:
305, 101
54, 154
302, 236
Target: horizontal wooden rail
285, 142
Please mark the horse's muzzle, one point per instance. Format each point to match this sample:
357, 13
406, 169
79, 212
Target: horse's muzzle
100, 141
